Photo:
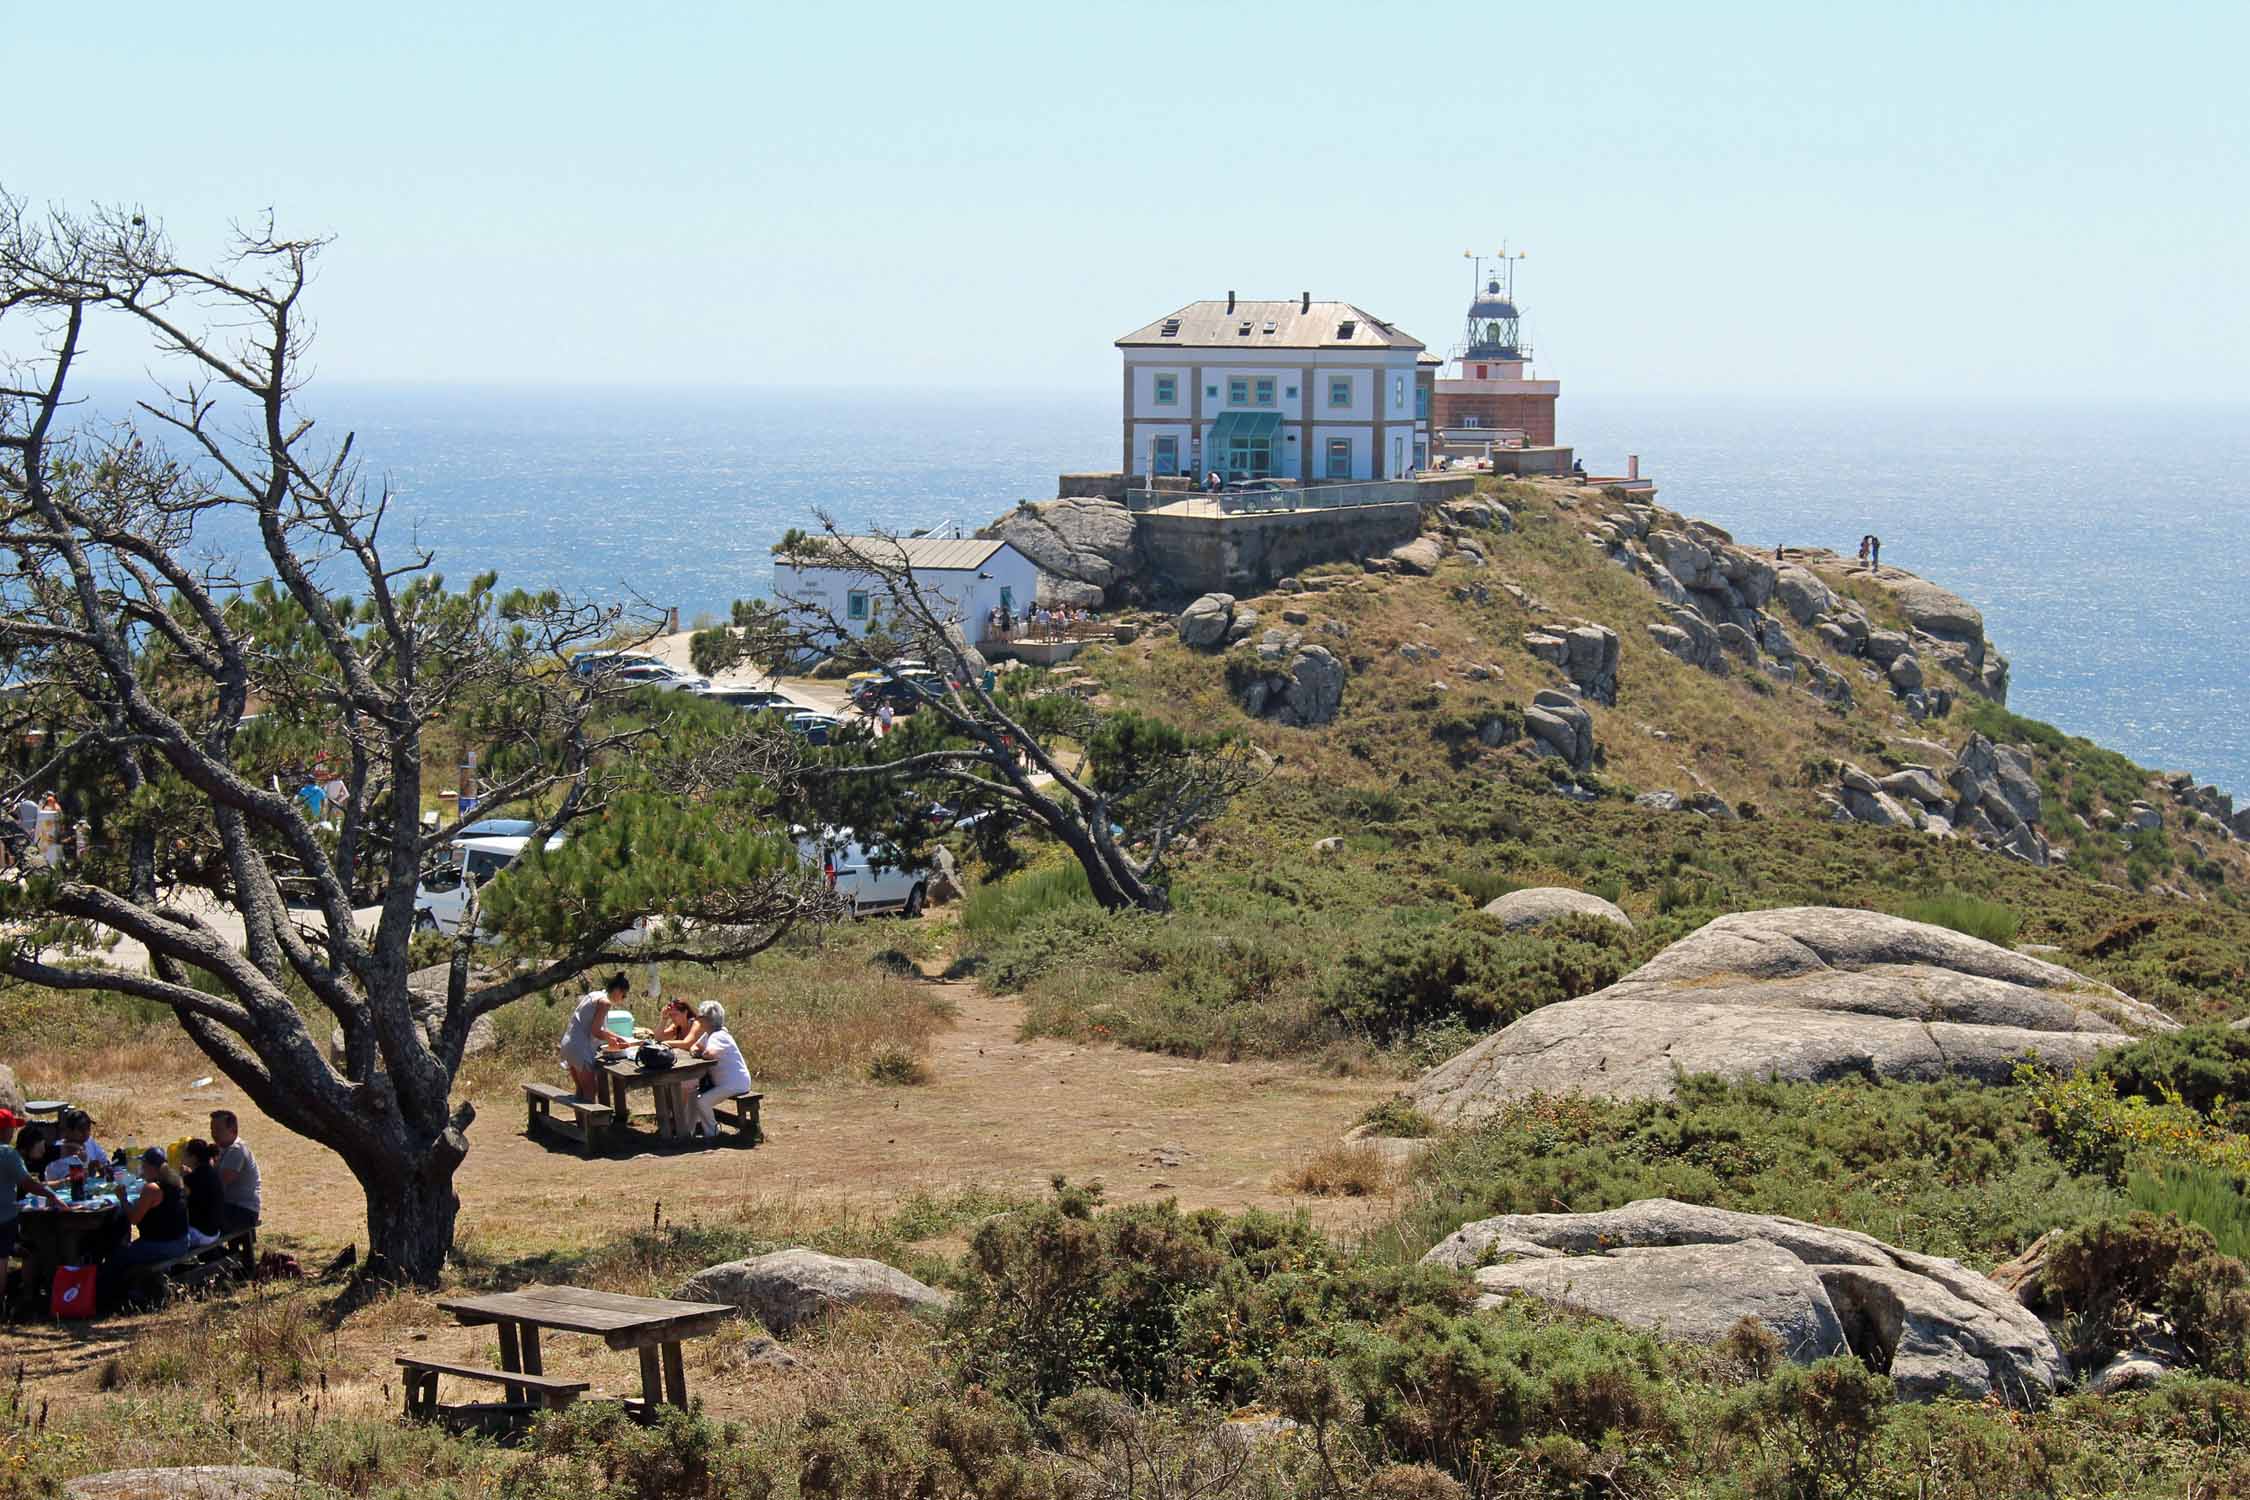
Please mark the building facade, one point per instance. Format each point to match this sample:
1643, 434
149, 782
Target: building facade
1320, 392
972, 578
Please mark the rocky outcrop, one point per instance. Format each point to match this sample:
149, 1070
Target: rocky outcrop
1285, 680
1422, 555
1990, 796
1586, 653
1801, 994
1520, 910
1559, 725
1800, 591
1204, 624
790, 1288
1935, 1326
1087, 550
200, 1482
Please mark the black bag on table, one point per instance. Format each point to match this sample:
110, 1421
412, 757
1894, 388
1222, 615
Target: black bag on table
652, 1058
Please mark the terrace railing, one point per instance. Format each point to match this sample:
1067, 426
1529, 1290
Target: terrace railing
1262, 501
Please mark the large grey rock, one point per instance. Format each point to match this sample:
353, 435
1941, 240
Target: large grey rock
1800, 591
1906, 673
1998, 779
1798, 994
1886, 646
1560, 726
1591, 660
1691, 1292
1086, 550
1915, 784
201, 1482
1422, 555
1936, 1326
791, 1288
1878, 809
1204, 623
11, 1092
1518, 910
1297, 684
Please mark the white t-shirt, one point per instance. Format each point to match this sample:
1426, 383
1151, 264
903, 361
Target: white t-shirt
732, 1075
93, 1156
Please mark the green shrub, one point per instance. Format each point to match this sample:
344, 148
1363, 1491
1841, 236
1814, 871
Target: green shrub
2095, 1131
1471, 969
1399, 1120
998, 908
895, 1067
2210, 1200
1965, 913
2207, 1066
2109, 1274
1813, 1430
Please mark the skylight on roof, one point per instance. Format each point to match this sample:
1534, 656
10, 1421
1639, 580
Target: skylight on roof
1243, 332
1171, 329
1347, 328
1269, 325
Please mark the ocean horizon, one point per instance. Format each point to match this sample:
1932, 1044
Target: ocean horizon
2102, 543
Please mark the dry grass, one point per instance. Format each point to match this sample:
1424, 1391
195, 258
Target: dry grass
267, 1338
1349, 1169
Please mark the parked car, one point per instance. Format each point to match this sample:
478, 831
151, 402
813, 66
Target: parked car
592, 663
869, 878
818, 729
904, 693
751, 700
658, 675
441, 896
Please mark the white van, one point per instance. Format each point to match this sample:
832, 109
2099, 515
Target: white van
441, 897
868, 878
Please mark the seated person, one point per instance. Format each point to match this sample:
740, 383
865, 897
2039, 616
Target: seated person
238, 1173
16, 1180
160, 1215
584, 1038
77, 1145
676, 1022
711, 1039
206, 1194
36, 1145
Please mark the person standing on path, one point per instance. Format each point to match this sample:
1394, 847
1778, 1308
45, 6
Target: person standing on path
49, 831
1874, 553
883, 718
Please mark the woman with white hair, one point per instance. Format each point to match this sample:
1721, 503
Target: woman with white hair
710, 1038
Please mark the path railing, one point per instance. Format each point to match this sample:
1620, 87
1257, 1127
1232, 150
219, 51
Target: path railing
1338, 496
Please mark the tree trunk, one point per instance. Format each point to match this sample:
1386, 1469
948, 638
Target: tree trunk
410, 1218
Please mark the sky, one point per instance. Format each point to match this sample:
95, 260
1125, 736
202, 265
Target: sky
1883, 201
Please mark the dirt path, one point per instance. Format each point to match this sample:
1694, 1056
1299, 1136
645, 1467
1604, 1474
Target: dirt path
997, 1112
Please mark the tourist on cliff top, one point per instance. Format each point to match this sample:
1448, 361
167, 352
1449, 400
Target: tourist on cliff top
1875, 553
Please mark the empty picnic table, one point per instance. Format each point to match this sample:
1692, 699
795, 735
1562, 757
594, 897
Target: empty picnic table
670, 1092
655, 1326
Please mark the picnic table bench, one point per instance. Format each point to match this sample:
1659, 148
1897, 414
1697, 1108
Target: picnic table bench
654, 1326
523, 1389
588, 1120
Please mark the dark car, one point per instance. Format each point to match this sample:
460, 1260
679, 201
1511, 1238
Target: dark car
751, 700
904, 694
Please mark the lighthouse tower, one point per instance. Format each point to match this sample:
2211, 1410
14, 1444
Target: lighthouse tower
1486, 398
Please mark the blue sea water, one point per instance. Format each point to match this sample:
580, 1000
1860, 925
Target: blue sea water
2103, 546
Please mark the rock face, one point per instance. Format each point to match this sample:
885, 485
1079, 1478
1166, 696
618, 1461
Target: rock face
1204, 624
1290, 682
1421, 555
1801, 592
202, 1482
1086, 550
1937, 1327
1560, 726
1518, 910
1802, 994
790, 1288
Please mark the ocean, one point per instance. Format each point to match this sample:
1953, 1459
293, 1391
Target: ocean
2104, 545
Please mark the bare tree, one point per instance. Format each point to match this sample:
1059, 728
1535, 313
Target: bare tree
1120, 801
174, 682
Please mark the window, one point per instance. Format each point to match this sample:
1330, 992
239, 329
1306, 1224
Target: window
855, 604
1243, 332
1265, 393
1167, 390
1210, 393
1170, 330
1339, 458
1422, 402
1339, 390
1290, 394
1347, 328
1398, 390
1238, 393
1269, 325
1249, 457
1166, 458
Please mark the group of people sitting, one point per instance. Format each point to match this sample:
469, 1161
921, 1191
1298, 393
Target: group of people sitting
1047, 622
179, 1209
700, 1031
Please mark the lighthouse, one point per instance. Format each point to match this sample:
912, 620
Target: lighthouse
1487, 399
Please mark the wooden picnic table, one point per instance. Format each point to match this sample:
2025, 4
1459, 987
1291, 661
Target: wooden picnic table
655, 1326
78, 1235
671, 1092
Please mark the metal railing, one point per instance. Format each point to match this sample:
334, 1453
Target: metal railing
1260, 501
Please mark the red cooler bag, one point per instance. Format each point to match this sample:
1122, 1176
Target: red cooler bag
74, 1292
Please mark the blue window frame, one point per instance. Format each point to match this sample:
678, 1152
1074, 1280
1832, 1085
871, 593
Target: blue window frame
855, 604
1265, 393
1238, 393
1339, 390
1166, 459
1167, 390
1339, 458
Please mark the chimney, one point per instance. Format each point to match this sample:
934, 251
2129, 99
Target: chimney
1230, 301
1306, 305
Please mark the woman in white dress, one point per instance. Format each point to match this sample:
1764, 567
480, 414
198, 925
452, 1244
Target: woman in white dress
587, 1034
710, 1038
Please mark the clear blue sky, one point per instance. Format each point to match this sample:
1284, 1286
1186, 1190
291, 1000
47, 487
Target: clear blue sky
2008, 200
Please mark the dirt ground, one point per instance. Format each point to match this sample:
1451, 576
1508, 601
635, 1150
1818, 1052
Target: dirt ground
997, 1113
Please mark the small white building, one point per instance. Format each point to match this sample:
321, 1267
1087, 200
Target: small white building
1321, 392
972, 577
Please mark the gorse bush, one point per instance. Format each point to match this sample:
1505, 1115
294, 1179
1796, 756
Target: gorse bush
1973, 915
1474, 970
2109, 1274
1813, 1429
2207, 1067
2097, 1132
2210, 1200
997, 908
